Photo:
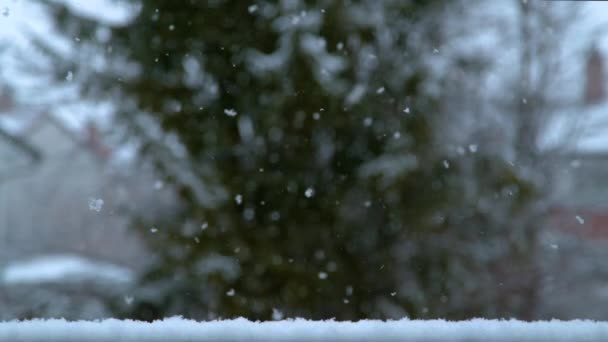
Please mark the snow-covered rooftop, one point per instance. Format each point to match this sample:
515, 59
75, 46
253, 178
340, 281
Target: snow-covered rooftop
63, 269
578, 129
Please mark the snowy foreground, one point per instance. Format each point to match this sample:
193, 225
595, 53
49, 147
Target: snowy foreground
178, 329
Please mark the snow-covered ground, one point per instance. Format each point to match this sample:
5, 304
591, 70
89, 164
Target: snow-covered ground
178, 329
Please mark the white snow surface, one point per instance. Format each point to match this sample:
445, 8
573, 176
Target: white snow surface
61, 269
179, 329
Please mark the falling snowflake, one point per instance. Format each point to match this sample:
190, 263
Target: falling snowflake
230, 112
95, 204
275, 215
158, 185
252, 8
380, 90
277, 315
69, 77
322, 275
579, 219
230, 293
249, 214
153, 230
309, 193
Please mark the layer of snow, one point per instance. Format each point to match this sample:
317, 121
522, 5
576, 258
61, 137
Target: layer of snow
63, 268
178, 329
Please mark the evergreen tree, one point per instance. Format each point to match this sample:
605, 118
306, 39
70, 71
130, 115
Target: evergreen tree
303, 139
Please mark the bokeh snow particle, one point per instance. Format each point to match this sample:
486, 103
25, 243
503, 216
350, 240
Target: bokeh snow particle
230, 112
277, 315
128, 300
275, 215
309, 193
95, 204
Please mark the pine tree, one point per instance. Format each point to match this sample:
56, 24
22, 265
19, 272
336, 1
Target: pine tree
302, 139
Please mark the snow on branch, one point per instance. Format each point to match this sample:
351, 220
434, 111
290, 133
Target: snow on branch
179, 329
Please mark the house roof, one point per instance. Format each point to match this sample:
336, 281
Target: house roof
63, 269
578, 129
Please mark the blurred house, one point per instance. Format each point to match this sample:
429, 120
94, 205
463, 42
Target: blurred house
575, 272
581, 206
69, 286
51, 173
60, 194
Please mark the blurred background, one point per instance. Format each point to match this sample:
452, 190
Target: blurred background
323, 159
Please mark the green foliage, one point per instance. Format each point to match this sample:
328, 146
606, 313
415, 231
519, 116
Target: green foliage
345, 208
